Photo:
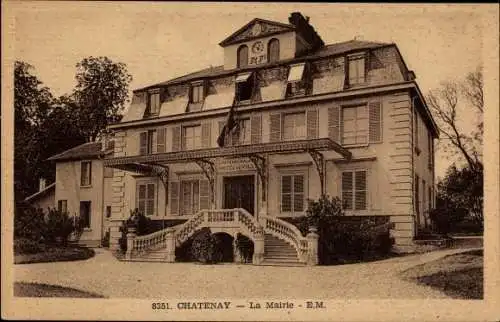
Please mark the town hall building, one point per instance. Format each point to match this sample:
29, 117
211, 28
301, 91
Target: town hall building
240, 148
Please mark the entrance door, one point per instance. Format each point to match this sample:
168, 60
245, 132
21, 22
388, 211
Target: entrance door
239, 193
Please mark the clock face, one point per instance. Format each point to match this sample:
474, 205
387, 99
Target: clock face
257, 47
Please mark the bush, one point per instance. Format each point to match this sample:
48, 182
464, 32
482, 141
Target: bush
204, 247
60, 225
345, 238
29, 223
245, 247
446, 220
27, 246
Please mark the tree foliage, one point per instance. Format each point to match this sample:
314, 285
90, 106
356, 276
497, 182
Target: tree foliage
100, 93
448, 104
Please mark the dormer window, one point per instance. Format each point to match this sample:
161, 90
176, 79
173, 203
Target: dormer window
154, 103
197, 93
273, 50
356, 70
242, 56
295, 86
244, 86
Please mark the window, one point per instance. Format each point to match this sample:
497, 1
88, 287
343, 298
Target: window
86, 173
190, 197
273, 50
85, 213
146, 202
356, 72
244, 86
191, 137
108, 211
243, 56
295, 86
62, 205
355, 125
146, 142
241, 134
154, 103
354, 190
197, 93
292, 193
417, 194
294, 126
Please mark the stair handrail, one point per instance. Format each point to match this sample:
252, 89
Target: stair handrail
288, 232
149, 241
248, 220
186, 229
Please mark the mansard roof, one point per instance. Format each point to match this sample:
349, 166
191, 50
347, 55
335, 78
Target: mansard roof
325, 51
246, 32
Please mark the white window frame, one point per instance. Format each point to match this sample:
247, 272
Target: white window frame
356, 58
367, 129
294, 136
156, 111
184, 146
199, 89
293, 172
87, 183
146, 199
354, 190
191, 181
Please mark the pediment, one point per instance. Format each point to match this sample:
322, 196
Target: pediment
255, 29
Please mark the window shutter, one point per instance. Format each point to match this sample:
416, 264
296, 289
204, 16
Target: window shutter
334, 123
205, 135
161, 140
256, 129
360, 190
347, 188
204, 194
176, 138
227, 139
174, 197
286, 193
275, 127
375, 111
312, 124
298, 193
143, 143
151, 200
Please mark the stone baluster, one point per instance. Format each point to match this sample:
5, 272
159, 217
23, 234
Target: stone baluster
312, 246
258, 254
170, 243
130, 243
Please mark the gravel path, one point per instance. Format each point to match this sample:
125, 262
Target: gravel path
105, 275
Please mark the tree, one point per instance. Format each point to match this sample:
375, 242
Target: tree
100, 94
446, 103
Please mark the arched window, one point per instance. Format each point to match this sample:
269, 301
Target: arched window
273, 50
243, 56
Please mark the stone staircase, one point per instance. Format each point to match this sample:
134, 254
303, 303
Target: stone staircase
157, 255
278, 252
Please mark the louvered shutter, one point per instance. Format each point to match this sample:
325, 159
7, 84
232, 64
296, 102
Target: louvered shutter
256, 129
204, 194
347, 189
286, 193
161, 139
174, 198
360, 190
334, 128
227, 139
275, 127
205, 135
312, 124
375, 111
143, 143
298, 193
176, 138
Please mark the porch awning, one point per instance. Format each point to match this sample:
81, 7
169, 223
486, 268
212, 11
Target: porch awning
323, 144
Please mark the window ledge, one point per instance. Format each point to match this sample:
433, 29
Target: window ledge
363, 145
86, 187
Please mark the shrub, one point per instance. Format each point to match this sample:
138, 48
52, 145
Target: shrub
204, 247
345, 238
60, 225
446, 220
245, 247
27, 246
29, 223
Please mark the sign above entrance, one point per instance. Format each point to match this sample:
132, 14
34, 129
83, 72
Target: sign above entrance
229, 164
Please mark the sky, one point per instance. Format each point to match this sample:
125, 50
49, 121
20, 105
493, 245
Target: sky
160, 41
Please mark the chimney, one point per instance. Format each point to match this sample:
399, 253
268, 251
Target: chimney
42, 184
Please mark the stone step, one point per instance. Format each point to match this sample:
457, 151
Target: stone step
281, 263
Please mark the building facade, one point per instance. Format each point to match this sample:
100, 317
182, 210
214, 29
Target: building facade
306, 119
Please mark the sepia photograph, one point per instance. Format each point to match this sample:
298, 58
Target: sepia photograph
248, 160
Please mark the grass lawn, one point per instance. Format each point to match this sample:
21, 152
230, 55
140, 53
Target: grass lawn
55, 254
459, 276
22, 289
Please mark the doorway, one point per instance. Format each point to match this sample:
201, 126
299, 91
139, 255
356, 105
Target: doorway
239, 192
